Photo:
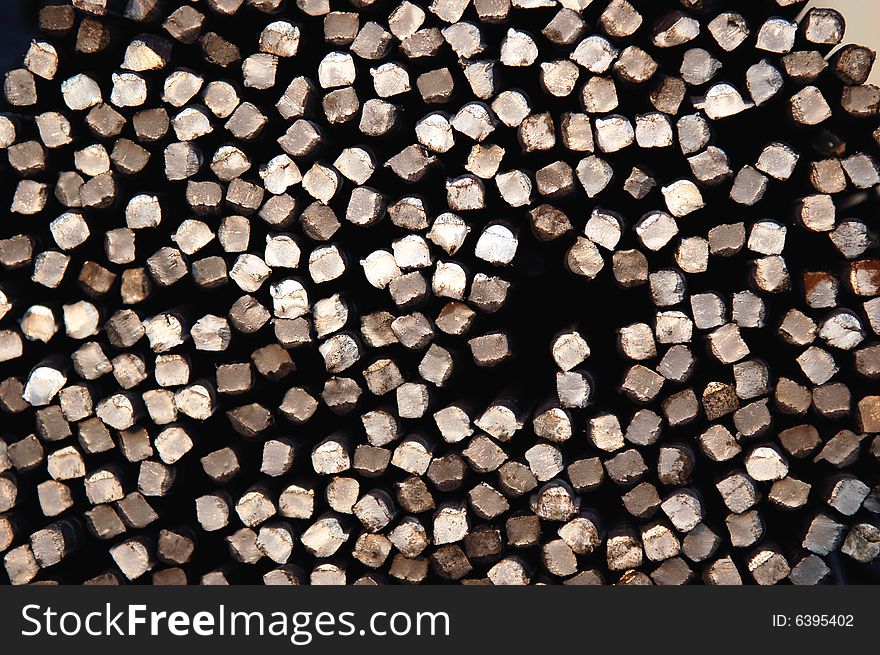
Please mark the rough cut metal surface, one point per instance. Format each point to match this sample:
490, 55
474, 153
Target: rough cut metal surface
483, 292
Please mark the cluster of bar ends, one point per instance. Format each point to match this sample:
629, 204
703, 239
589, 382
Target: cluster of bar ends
266, 273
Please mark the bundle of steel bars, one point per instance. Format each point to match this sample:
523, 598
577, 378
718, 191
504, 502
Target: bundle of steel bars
473, 291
